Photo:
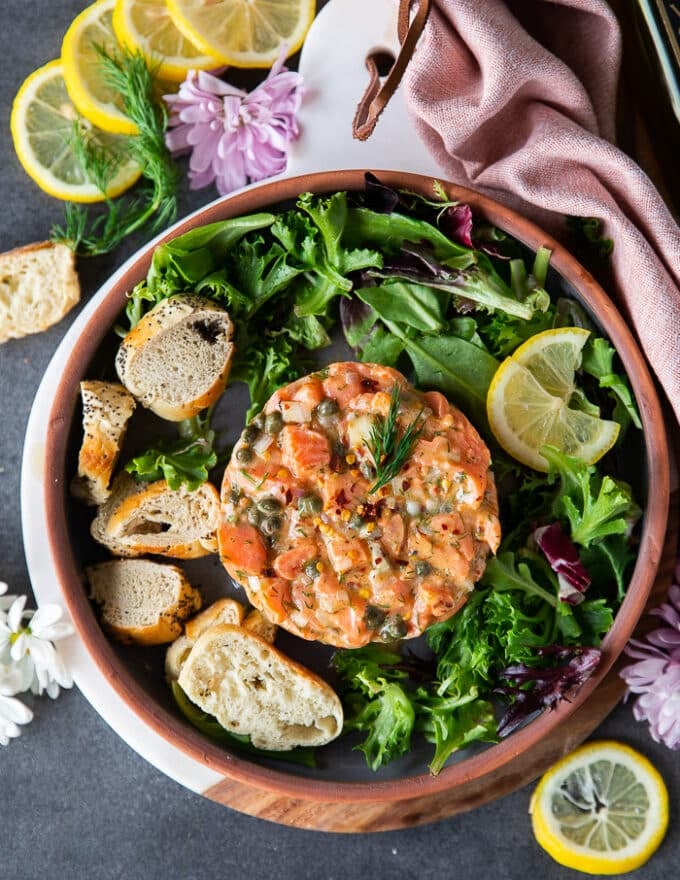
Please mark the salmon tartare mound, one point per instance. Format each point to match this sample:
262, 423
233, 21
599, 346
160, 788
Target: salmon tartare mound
336, 546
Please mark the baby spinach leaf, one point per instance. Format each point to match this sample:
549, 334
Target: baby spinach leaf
388, 232
412, 304
460, 369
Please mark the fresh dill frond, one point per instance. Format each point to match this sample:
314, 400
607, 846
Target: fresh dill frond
89, 233
390, 449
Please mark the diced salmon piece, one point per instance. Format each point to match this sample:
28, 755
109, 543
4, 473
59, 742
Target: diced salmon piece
345, 553
341, 490
451, 534
290, 563
349, 380
304, 450
437, 403
377, 404
273, 598
392, 533
310, 392
242, 548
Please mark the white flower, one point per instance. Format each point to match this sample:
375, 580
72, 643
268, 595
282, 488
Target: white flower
26, 642
12, 711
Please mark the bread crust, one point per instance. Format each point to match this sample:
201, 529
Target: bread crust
107, 409
186, 385
38, 286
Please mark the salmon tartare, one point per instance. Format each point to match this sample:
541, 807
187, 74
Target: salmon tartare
328, 541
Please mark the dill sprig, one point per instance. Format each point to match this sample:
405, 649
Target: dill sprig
390, 448
156, 203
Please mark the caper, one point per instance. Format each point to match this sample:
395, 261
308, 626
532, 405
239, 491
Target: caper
235, 495
355, 521
393, 628
422, 567
310, 504
273, 424
327, 408
374, 617
258, 421
254, 516
271, 525
250, 433
311, 569
269, 505
446, 507
244, 454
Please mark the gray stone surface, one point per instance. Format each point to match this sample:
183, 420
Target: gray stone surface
75, 800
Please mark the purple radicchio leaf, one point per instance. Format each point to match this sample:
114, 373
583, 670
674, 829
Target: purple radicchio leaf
456, 222
561, 553
417, 264
357, 319
380, 198
550, 684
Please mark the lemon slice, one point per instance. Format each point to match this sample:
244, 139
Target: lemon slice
42, 126
244, 33
146, 25
528, 402
83, 73
603, 809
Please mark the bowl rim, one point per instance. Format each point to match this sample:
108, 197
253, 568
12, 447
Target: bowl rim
176, 730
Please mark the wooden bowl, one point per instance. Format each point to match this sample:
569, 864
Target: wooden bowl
335, 798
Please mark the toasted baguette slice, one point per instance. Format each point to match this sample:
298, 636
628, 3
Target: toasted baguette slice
38, 286
252, 688
176, 656
221, 611
176, 360
107, 408
142, 601
142, 518
257, 623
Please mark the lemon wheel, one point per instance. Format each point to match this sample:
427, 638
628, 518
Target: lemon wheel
146, 25
529, 396
244, 33
42, 121
603, 809
83, 73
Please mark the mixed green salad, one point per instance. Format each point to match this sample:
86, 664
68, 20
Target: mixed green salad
420, 284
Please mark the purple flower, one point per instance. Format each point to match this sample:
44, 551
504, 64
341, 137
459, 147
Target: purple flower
234, 137
656, 674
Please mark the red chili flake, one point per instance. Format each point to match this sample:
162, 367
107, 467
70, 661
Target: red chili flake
341, 498
378, 560
445, 528
369, 384
405, 485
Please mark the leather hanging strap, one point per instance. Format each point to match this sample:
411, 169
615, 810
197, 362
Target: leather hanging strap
379, 91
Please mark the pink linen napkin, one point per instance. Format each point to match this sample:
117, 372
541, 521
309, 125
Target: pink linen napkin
517, 99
